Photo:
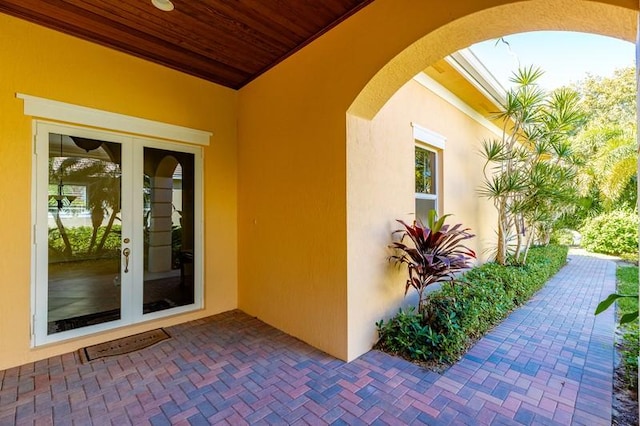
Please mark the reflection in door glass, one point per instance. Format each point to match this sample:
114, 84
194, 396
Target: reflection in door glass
168, 229
84, 232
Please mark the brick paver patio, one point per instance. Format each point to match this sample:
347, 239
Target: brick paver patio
550, 362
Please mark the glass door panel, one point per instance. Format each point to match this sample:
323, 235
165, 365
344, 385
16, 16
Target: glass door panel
168, 193
84, 232
115, 231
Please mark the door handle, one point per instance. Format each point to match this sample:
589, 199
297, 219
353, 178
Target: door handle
126, 252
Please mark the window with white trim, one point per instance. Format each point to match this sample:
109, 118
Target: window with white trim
429, 146
426, 171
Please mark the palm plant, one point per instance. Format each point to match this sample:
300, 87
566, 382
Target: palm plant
101, 178
103, 196
436, 254
58, 172
614, 165
529, 170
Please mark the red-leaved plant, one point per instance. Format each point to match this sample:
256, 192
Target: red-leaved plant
436, 254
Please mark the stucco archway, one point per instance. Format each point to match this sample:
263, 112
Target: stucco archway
611, 19
295, 146
364, 161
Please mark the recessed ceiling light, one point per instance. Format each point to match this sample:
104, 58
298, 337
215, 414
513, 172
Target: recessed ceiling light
164, 5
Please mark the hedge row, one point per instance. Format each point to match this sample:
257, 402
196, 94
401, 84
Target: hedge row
80, 238
460, 314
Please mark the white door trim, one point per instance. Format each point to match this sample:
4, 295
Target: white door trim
131, 187
70, 113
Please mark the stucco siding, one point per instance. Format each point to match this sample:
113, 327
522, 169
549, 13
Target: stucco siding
381, 189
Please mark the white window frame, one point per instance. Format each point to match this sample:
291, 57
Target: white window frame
433, 142
435, 170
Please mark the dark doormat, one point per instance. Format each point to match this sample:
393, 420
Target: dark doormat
123, 346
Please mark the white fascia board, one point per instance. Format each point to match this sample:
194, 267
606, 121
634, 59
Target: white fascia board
473, 70
70, 113
456, 102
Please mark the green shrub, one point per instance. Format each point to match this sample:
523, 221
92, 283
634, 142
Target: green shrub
611, 233
456, 315
407, 336
562, 236
80, 238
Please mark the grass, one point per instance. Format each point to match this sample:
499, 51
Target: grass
628, 284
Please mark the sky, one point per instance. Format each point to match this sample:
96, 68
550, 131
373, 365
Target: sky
566, 57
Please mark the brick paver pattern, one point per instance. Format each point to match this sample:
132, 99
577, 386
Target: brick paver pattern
550, 362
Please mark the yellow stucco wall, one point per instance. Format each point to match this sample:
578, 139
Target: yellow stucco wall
44, 63
290, 215
294, 271
380, 190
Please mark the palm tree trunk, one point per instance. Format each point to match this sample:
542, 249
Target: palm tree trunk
501, 251
97, 216
527, 247
107, 230
519, 233
68, 251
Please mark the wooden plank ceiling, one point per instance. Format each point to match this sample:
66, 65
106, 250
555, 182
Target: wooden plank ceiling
229, 42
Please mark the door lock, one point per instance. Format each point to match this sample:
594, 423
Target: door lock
126, 252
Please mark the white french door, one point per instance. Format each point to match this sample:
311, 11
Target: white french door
117, 230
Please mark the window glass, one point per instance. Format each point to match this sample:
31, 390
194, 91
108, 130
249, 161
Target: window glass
423, 206
425, 171
426, 184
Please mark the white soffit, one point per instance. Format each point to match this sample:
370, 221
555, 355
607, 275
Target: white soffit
467, 64
76, 114
455, 101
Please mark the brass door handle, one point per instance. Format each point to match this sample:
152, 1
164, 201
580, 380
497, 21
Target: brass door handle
126, 252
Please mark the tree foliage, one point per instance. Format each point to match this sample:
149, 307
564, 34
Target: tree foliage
606, 143
102, 180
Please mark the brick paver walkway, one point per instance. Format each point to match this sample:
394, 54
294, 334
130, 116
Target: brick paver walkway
550, 362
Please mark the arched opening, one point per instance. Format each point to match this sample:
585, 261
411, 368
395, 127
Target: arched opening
375, 151
564, 15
